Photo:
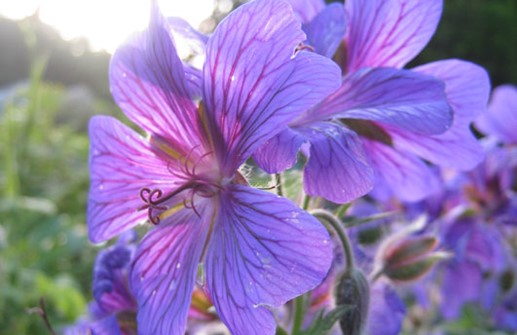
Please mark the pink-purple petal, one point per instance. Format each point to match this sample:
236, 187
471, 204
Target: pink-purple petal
254, 84
500, 121
264, 251
389, 32
467, 87
121, 164
306, 10
280, 152
400, 98
164, 270
149, 84
403, 174
337, 169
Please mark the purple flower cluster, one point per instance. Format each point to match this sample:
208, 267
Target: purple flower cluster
286, 82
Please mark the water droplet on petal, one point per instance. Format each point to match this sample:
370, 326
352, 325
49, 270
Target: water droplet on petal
178, 265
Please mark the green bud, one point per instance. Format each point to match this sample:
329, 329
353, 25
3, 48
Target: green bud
409, 258
353, 289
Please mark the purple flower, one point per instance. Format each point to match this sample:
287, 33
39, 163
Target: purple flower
114, 309
375, 128
501, 120
258, 250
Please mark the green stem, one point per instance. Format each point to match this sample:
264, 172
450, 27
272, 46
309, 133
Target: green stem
306, 202
278, 182
330, 220
299, 311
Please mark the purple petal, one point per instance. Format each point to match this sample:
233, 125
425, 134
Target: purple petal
280, 152
501, 119
337, 168
163, 274
404, 174
389, 32
461, 284
306, 10
400, 98
387, 311
148, 82
327, 30
254, 85
121, 164
467, 87
106, 326
264, 252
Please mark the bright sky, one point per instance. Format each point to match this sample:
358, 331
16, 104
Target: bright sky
106, 23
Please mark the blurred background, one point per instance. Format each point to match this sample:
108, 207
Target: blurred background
54, 58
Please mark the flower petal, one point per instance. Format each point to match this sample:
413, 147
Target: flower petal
501, 119
121, 164
386, 310
164, 270
264, 252
306, 10
389, 32
406, 176
337, 169
280, 152
327, 30
148, 83
467, 87
400, 98
254, 85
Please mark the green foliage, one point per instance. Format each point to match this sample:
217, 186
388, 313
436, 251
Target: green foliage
480, 31
44, 251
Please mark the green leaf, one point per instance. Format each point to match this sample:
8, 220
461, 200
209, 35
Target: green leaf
322, 324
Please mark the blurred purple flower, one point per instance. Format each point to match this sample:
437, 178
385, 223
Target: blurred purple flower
374, 128
258, 250
501, 120
114, 309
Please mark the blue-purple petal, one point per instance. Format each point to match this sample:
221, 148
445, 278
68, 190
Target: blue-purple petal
337, 169
264, 251
254, 84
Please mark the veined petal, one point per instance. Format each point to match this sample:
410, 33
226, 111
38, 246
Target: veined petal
280, 152
337, 169
389, 32
164, 270
306, 10
121, 164
404, 174
254, 83
501, 119
148, 82
386, 311
327, 30
467, 87
400, 98
264, 251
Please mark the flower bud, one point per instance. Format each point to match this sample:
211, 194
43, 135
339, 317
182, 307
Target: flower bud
353, 289
410, 258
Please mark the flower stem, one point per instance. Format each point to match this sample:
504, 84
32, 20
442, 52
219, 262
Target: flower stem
278, 182
299, 311
329, 220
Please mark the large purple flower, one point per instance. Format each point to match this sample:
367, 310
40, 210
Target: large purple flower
258, 250
374, 128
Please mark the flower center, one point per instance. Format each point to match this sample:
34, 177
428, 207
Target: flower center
160, 205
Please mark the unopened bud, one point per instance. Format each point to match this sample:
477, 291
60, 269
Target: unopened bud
410, 258
353, 289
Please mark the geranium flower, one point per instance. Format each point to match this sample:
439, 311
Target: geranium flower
258, 249
373, 130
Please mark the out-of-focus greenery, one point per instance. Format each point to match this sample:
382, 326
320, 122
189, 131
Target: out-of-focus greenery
481, 31
44, 251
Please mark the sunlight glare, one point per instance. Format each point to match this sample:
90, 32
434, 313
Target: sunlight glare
105, 24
